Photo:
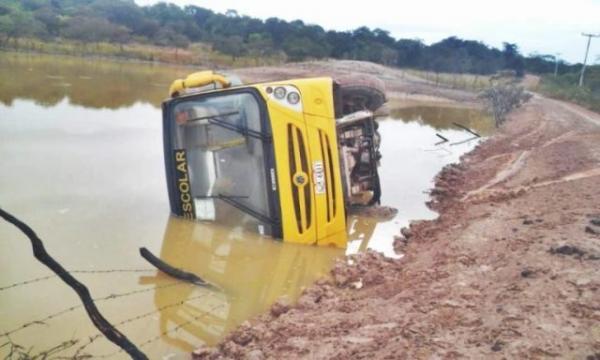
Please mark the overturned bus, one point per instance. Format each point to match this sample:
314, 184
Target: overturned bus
284, 158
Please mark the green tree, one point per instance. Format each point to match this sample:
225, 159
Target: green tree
235, 34
513, 59
18, 24
409, 52
51, 20
259, 45
4, 9
120, 12
341, 43
32, 5
89, 29
169, 37
231, 45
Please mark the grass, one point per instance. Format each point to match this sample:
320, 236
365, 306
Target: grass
560, 89
195, 54
471, 82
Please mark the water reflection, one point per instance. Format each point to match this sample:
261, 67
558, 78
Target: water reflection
412, 156
445, 118
92, 83
252, 271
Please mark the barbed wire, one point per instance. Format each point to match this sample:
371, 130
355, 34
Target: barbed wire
31, 281
65, 345
95, 316
21, 353
15, 349
176, 328
55, 349
42, 321
27, 282
142, 316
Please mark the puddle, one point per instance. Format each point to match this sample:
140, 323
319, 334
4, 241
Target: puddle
83, 166
411, 159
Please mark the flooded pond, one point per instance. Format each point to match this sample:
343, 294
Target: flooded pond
81, 162
412, 155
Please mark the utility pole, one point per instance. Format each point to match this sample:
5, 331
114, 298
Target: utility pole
587, 49
556, 64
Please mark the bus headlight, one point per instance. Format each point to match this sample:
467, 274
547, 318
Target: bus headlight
293, 98
279, 92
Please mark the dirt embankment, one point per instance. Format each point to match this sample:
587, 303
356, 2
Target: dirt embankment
403, 89
510, 269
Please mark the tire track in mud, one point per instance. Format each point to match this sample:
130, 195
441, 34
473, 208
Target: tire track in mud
518, 160
581, 113
515, 164
481, 193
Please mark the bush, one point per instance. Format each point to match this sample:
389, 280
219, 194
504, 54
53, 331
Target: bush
565, 87
502, 98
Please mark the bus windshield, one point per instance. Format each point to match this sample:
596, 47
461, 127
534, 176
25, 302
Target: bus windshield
224, 143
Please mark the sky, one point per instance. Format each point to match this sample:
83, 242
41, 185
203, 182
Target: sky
546, 27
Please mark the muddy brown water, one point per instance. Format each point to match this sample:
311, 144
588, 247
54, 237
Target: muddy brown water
81, 162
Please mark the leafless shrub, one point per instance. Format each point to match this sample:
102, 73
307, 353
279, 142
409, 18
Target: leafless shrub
506, 75
502, 98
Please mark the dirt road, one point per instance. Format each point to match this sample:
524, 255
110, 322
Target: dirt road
510, 269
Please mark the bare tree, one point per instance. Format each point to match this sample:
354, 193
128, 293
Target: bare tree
501, 98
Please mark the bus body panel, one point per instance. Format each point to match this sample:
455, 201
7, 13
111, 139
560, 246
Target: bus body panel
306, 175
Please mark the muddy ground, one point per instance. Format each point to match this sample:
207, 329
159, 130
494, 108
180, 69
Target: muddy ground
510, 269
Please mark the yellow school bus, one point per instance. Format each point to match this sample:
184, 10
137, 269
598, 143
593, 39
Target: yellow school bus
284, 158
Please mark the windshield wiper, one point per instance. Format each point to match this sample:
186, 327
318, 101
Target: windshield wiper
239, 129
230, 199
214, 119
221, 195
213, 116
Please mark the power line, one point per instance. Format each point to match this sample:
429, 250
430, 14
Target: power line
587, 50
